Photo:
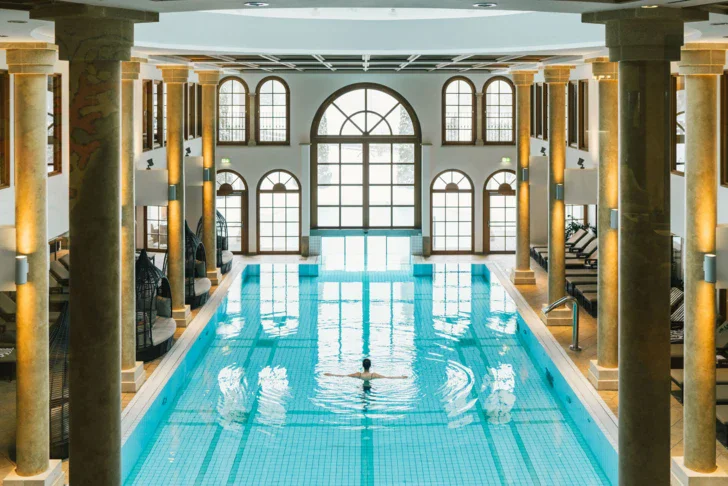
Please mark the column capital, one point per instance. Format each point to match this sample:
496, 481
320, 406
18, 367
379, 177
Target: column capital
175, 73
702, 58
30, 57
89, 33
523, 77
603, 69
130, 69
479, 94
644, 34
212, 76
557, 74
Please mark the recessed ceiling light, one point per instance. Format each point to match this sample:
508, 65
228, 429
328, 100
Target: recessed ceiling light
649, 6
256, 4
719, 23
485, 5
17, 21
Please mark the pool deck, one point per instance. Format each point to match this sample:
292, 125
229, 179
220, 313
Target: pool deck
535, 295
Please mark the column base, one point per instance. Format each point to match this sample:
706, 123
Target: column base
215, 276
682, 476
559, 317
523, 277
182, 316
305, 246
133, 379
603, 378
479, 143
53, 476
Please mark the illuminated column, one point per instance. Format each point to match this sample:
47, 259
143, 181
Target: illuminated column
175, 77
94, 40
603, 372
479, 119
30, 64
132, 371
209, 81
522, 273
557, 77
701, 64
252, 110
644, 41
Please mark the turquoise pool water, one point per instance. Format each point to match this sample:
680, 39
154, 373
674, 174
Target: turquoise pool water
474, 410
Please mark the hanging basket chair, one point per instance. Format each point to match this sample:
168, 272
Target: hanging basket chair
197, 285
224, 256
154, 324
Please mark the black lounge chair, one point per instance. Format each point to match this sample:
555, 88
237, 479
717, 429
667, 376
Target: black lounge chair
224, 255
66, 260
573, 282
155, 326
581, 272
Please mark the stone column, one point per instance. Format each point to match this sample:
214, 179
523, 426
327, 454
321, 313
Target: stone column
94, 40
644, 41
701, 64
557, 77
30, 64
522, 273
175, 77
252, 109
479, 119
132, 371
209, 81
603, 372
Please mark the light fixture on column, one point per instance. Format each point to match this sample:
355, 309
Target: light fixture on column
614, 218
172, 192
524, 174
543, 151
709, 268
559, 192
188, 151
21, 269
207, 174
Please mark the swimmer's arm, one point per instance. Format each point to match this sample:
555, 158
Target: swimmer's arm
377, 375
351, 375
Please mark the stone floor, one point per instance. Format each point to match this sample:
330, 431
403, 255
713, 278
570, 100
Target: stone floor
535, 295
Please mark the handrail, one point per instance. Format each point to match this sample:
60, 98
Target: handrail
575, 318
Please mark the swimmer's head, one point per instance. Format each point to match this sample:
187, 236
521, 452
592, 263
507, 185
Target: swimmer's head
366, 364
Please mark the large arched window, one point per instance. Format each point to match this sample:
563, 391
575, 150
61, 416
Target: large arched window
499, 211
232, 119
452, 213
273, 111
279, 213
499, 111
232, 202
458, 111
365, 160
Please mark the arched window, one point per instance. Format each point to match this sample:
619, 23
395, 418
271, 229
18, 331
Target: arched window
279, 213
458, 115
273, 111
452, 213
499, 111
499, 210
365, 160
232, 120
232, 202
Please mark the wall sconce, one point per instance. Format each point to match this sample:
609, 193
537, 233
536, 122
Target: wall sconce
580, 163
172, 196
150, 164
543, 151
614, 218
709, 268
559, 192
21, 269
188, 151
206, 174
524, 174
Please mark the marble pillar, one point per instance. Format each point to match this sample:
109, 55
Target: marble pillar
557, 77
644, 41
603, 372
175, 77
701, 64
209, 81
94, 40
30, 64
522, 273
479, 119
132, 371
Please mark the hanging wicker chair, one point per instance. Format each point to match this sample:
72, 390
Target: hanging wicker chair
224, 256
197, 285
58, 380
154, 324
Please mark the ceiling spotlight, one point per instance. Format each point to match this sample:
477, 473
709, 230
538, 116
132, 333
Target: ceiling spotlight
485, 5
719, 23
650, 6
256, 4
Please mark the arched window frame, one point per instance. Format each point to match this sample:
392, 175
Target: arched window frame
257, 213
486, 206
415, 139
485, 111
244, 207
472, 211
287, 141
473, 120
247, 111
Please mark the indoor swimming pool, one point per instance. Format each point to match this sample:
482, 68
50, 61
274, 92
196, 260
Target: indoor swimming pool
258, 409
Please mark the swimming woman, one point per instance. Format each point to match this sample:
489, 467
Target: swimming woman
367, 375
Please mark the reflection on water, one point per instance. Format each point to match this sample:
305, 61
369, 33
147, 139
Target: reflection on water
274, 392
279, 300
498, 390
233, 403
455, 394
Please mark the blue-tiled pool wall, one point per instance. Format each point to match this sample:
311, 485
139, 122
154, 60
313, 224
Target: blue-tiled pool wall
600, 446
134, 445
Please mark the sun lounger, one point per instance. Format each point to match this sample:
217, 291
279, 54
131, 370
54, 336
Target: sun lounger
60, 273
